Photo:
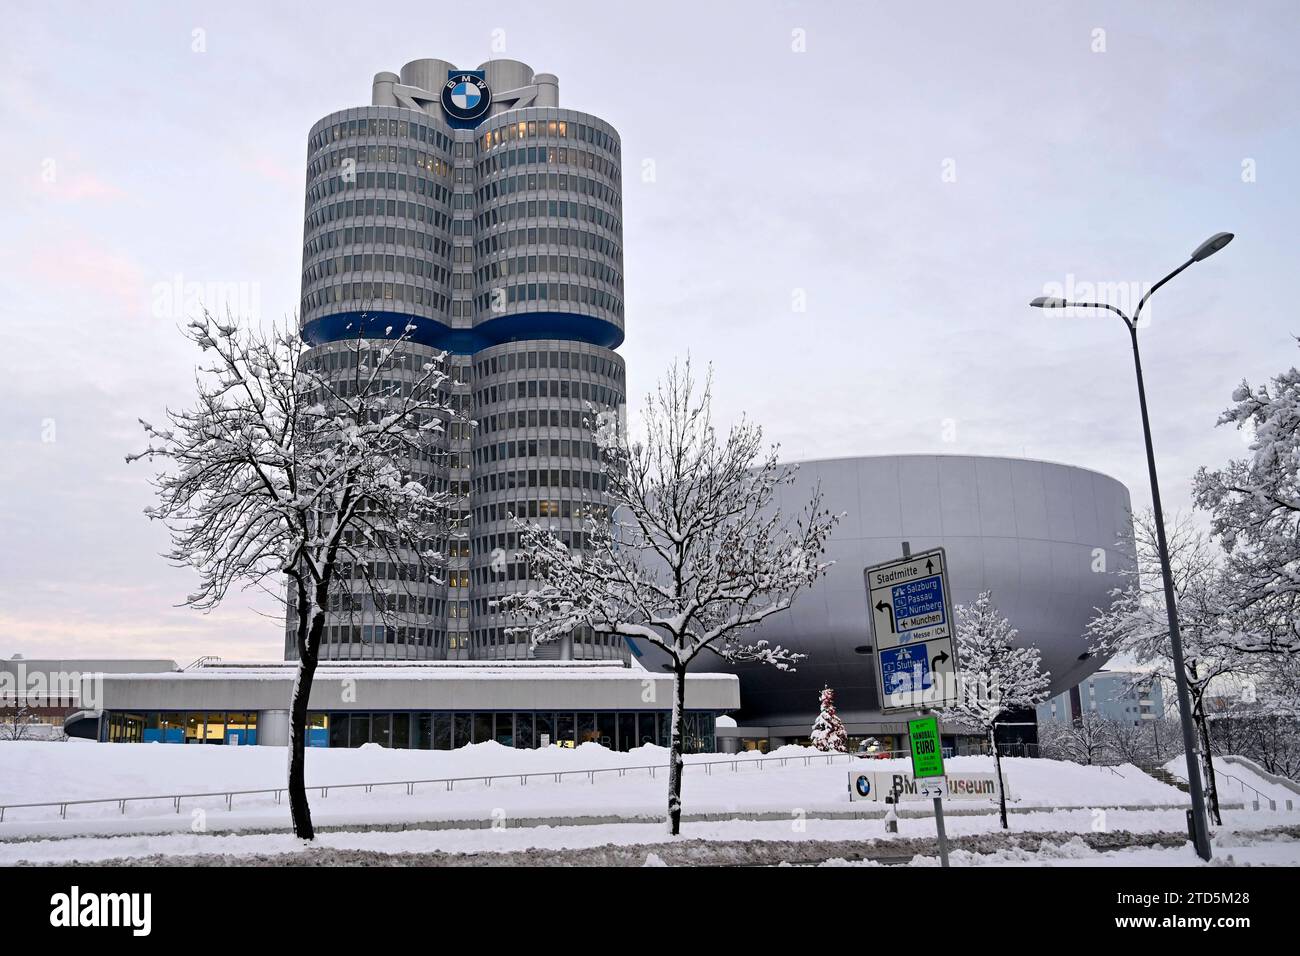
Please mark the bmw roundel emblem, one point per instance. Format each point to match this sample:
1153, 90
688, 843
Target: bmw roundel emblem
863, 784
466, 96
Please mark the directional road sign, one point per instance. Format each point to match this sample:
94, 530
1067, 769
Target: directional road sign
911, 619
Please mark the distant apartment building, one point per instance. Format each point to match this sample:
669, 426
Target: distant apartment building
1123, 696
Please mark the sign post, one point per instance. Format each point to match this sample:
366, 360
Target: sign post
926, 744
912, 624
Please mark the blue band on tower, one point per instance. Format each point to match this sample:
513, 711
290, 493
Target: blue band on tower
523, 327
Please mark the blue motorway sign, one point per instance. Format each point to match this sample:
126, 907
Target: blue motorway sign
905, 669
918, 604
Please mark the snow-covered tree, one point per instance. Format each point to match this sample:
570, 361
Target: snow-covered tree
1136, 624
1260, 719
828, 731
1085, 741
695, 553
286, 471
1166, 739
18, 722
996, 677
1254, 506
1130, 741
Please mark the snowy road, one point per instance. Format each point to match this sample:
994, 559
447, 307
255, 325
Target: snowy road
798, 841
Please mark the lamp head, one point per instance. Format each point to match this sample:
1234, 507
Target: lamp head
1212, 245
1048, 302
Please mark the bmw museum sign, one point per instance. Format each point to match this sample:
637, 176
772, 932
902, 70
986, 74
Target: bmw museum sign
466, 98
912, 624
876, 785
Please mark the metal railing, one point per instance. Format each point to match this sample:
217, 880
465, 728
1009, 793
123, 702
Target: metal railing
1260, 798
323, 790
948, 754
734, 764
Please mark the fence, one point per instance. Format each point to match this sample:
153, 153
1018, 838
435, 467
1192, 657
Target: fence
734, 763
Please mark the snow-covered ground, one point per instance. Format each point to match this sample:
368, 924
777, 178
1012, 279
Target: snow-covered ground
1232, 849
1237, 839
40, 772
795, 803
1238, 783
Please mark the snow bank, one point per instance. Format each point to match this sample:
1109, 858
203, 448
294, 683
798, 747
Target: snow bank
1238, 783
40, 772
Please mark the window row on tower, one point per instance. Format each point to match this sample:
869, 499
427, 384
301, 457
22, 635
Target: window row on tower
367, 634
549, 388
577, 419
552, 209
547, 295
376, 235
408, 210
511, 479
358, 177
373, 126
377, 295
502, 543
565, 237
552, 128
532, 263
553, 181
418, 267
603, 363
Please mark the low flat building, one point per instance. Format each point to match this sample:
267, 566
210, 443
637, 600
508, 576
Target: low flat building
437, 705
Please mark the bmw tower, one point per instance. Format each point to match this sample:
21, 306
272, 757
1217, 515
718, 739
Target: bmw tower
468, 205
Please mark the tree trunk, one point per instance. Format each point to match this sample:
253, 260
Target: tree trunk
675, 761
308, 652
997, 765
1210, 783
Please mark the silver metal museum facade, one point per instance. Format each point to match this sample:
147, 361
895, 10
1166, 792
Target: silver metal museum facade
1048, 540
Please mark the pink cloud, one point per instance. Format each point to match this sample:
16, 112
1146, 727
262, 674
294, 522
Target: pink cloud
79, 265
268, 168
77, 187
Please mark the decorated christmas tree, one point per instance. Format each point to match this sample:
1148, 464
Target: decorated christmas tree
827, 732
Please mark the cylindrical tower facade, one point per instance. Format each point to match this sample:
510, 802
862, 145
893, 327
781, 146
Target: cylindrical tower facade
467, 204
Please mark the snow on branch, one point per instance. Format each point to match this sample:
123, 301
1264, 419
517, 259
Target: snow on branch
693, 551
283, 467
1254, 504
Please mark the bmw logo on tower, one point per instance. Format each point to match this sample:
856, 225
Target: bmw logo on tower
466, 97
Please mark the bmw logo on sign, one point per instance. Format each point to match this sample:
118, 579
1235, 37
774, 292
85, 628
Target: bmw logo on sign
466, 97
863, 784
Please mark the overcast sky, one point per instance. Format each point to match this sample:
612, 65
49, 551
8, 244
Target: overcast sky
845, 206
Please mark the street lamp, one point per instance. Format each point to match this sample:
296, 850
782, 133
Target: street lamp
1200, 833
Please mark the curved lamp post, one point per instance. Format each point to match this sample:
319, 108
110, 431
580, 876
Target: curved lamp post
1200, 831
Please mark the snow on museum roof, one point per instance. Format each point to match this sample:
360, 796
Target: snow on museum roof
421, 670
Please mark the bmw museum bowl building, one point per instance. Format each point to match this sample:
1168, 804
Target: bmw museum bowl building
1044, 538
469, 205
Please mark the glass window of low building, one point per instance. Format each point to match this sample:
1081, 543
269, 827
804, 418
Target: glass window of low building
566, 729
484, 728
359, 730
586, 728
626, 731
442, 731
